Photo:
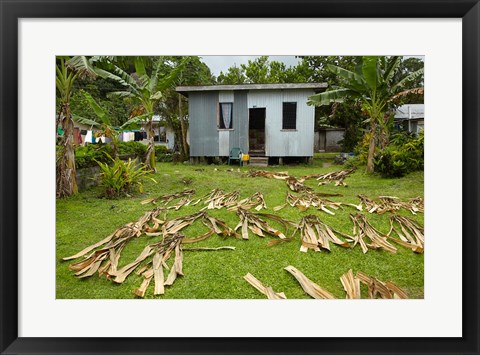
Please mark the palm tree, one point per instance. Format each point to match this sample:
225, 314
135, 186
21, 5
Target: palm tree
376, 84
145, 89
66, 74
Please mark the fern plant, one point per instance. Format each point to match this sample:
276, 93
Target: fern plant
122, 177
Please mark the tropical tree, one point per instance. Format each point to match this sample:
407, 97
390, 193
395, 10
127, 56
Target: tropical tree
145, 87
374, 84
103, 122
67, 71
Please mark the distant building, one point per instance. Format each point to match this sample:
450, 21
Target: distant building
329, 139
163, 134
410, 117
264, 120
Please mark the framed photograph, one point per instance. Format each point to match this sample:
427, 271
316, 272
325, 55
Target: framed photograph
66, 283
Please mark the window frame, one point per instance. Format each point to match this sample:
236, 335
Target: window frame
284, 128
220, 117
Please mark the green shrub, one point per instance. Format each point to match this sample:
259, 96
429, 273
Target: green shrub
87, 156
132, 148
403, 155
163, 154
353, 162
122, 177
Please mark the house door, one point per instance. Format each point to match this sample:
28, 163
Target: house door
256, 131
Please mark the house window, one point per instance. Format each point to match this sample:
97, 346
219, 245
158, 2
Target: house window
226, 118
162, 136
289, 115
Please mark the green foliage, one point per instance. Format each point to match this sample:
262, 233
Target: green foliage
134, 148
123, 177
354, 162
87, 156
402, 156
163, 154
263, 71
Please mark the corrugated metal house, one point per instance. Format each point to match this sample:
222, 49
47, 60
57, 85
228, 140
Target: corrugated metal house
411, 117
267, 120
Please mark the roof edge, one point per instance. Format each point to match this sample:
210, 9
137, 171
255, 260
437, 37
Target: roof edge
285, 86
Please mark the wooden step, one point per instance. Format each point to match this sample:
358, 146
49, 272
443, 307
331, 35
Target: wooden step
258, 161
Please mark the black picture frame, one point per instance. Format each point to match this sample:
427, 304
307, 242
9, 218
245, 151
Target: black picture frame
11, 11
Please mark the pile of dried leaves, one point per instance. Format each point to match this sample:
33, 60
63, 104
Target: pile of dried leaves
311, 199
105, 259
362, 229
410, 233
217, 198
351, 285
259, 226
256, 201
293, 183
337, 177
317, 235
185, 199
389, 204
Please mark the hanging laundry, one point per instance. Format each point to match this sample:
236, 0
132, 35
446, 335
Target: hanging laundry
77, 138
88, 137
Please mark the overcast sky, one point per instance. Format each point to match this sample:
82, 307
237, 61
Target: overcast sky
218, 63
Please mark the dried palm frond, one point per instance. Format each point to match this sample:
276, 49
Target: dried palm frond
311, 288
296, 185
257, 225
414, 205
363, 229
112, 247
307, 199
218, 198
209, 249
167, 198
175, 225
387, 290
255, 201
267, 291
336, 176
410, 233
277, 175
218, 226
316, 234
351, 285
389, 204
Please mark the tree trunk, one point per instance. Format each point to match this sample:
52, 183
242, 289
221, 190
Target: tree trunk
371, 151
66, 172
150, 156
183, 126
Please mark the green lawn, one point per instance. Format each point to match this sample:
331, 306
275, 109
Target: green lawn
86, 218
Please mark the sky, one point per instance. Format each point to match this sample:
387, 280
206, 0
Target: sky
218, 63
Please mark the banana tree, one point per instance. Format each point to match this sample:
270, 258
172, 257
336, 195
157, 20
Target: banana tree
375, 83
66, 184
145, 89
103, 123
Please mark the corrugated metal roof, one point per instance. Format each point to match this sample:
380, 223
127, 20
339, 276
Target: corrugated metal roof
286, 86
410, 111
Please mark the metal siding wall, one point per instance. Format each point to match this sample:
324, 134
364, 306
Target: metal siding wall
272, 101
280, 143
203, 123
239, 135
